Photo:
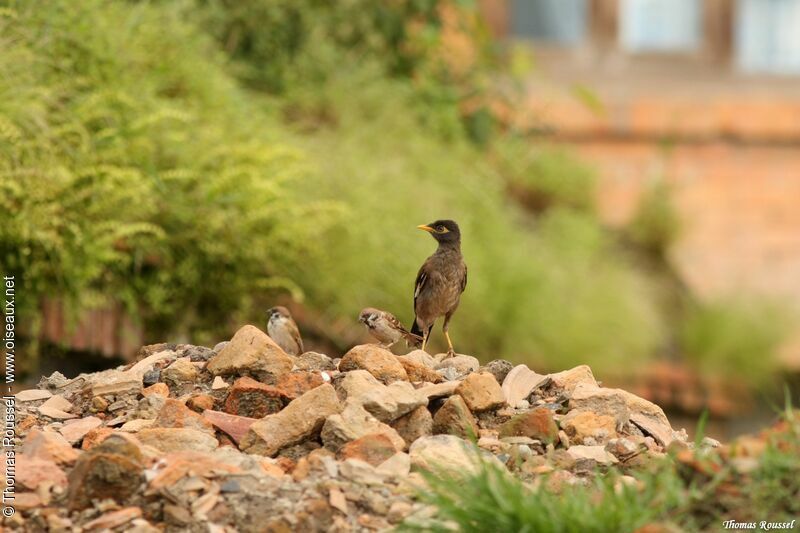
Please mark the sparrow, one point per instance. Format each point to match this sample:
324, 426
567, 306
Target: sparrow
283, 330
440, 281
385, 327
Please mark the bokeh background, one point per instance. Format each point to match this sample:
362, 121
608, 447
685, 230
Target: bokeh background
626, 174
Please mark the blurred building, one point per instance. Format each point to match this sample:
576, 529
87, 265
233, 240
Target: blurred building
702, 93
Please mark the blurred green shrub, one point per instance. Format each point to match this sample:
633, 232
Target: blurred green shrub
656, 224
541, 178
286, 47
735, 338
133, 168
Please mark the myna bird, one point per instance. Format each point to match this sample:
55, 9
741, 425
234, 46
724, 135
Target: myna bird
440, 281
283, 330
385, 327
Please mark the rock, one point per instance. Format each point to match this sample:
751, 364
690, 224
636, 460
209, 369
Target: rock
397, 466
447, 453
624, 406
418, 423
386, 403
57, 407
234, 426
597, 454
295, 384
537, 424
352, 423
338, 501
151, 378
179, 373
149, 407
33, 472
583, 425
301, 419
661, 432
314, 362
50, 446
499, 368
95, 437
133, 426
454, 418
116, 382
76, 430
32, 395
374, 449
170, 440
252, 399
361, 472
622, 448
219, 346
520, 382
113, 519
218, 383
601, 401
440, 390
418, 372
156, 389
251, 352
111, 470
481, 392
461, 364
147, 364
25, 501
378, 361
175, 414
569, 379
422, 357
200, 402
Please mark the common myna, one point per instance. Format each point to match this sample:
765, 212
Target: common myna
440, 281
283, 330
385, 327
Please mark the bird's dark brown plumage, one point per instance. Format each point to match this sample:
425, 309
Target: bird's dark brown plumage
440, 281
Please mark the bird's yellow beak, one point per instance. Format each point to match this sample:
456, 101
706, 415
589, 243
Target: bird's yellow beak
425, 228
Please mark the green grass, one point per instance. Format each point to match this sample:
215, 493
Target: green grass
494, 501
668, 491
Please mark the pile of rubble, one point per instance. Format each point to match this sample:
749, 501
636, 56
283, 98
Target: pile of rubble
252, 439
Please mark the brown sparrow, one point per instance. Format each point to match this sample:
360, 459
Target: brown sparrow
283, 330
386, 328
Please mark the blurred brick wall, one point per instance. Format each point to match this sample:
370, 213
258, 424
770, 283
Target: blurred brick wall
730, 153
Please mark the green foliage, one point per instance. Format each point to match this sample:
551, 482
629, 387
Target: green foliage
541, 178
494, 500
656, 224
133, 168
668, 492
286, 47
735, 337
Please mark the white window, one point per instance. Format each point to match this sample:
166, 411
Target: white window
661, 25
554, 21
768, 36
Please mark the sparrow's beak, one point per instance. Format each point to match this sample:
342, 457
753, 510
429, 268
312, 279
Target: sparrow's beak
425, 228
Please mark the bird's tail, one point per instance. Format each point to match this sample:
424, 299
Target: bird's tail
413, 341
414, 338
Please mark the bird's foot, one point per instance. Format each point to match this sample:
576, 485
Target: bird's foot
451, 353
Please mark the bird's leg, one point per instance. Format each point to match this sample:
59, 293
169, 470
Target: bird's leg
425, 336
450, 351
